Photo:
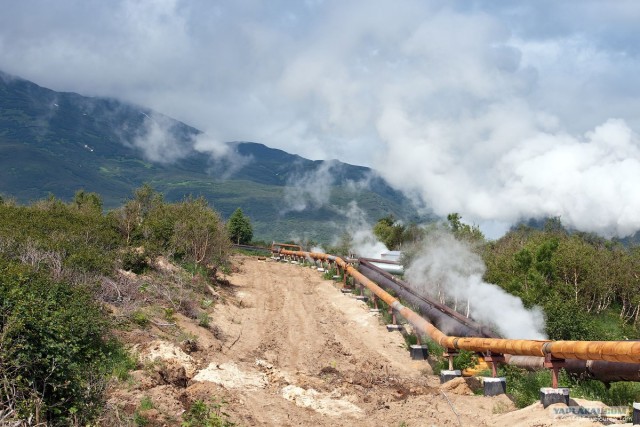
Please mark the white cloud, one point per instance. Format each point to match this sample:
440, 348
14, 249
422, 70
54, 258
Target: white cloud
496, 110
309, 190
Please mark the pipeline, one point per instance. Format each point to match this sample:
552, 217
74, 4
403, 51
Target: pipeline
587, 352
456, 324
439, 314
601, 370
252, 248
391, 267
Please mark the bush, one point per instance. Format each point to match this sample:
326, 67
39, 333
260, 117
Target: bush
135, 261
202, 414
204, 320
524, 386
140, 318
565, 320
54, 349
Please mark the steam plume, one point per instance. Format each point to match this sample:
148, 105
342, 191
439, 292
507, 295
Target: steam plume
448, 269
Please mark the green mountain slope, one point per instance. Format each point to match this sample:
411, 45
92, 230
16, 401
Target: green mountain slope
56, 143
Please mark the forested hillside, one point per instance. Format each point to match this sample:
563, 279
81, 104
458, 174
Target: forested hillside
57, 143
588, 284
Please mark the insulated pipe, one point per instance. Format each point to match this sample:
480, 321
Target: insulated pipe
597, 369
426, 306
613, 351
439, 314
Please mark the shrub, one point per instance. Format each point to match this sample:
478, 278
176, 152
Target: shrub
202, 414
54, 349
140, 318
204, 320
135, 261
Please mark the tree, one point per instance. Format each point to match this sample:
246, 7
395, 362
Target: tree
239, 227
462, 231
131, 220
87, 201
390, 232
199, 233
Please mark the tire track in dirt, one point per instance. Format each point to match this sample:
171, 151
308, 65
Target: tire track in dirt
311, 333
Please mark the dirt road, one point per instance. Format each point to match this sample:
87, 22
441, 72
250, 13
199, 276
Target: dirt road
289, 349
325, 358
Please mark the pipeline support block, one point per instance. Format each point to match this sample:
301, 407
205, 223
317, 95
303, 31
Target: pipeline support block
494, 386
446, 376
392, 328
362, 298
549, 396
419, 352
635, 417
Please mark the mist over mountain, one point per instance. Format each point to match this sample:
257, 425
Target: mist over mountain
58, 142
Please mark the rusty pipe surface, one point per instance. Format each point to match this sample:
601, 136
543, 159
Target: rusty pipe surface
601, 370
613, 351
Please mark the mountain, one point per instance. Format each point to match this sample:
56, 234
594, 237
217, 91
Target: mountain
57, 143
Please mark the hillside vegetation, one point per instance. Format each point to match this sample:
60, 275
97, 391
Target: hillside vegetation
56, 143
63, 269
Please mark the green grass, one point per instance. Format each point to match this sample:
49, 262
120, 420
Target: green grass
524, 387
146, 403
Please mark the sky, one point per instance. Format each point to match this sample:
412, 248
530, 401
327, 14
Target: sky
497, 110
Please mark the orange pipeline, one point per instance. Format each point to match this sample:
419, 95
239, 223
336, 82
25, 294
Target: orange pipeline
613, 351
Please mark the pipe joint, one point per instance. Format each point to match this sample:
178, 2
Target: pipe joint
397, 306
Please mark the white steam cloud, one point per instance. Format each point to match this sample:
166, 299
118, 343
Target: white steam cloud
157, 142
520, 170
363, 241
447, 269
310, 190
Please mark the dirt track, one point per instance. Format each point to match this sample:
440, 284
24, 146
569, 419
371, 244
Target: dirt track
316, 338
296, 351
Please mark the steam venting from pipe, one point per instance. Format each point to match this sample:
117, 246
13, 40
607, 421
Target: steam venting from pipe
363, 242
449, 270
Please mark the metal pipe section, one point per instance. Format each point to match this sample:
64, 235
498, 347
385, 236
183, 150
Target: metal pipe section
252, 248
601, 370
393, 267
443, 317
613, 351
454, 323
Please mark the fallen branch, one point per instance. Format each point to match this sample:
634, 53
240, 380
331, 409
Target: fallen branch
236, 340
